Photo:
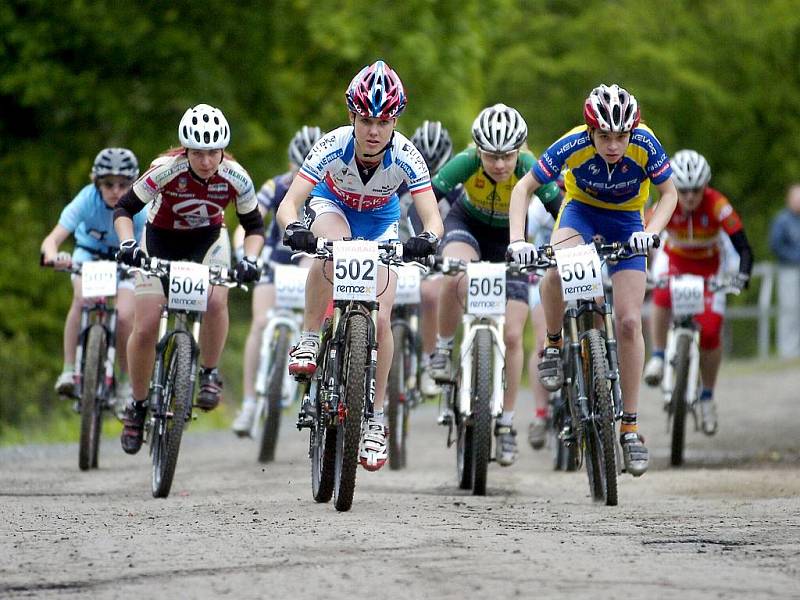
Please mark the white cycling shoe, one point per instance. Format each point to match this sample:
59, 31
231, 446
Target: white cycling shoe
428, 386
244, 420
374, 452
65, 384
654, 371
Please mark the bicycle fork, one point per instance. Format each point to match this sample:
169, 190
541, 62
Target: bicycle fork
471, 328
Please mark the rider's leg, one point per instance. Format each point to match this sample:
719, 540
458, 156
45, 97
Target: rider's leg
541, 397
710, 358
125, 313
65, 382
516, 315
385, 338
214, 328
659, 325
430, 290
629, 288
142, 341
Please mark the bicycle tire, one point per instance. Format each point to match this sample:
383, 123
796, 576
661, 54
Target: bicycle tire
272, 416
178, 389
91, 404
463, 442
601, 463
397, 407
348, 435
482, 373
678, 401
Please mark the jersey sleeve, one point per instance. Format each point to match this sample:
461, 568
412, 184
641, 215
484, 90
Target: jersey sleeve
75, 212
161, 171
266, 195
657, 168
552, 160
456, 171
245, 191
327, 149
726, 216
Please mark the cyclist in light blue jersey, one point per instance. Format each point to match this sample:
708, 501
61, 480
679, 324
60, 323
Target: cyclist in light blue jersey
90, 218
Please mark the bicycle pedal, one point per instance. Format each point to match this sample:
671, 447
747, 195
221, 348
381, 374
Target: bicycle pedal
304, 421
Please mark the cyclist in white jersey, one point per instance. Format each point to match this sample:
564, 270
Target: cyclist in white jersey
348, 184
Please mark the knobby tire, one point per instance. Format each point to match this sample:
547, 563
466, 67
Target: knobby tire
91, 404
276, 373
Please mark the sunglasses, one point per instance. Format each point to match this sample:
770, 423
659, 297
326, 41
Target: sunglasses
110, 185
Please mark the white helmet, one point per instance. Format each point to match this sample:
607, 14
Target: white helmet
500, 129
204, 128
611, 108
115, 161
301, 144
434, 143
690, 169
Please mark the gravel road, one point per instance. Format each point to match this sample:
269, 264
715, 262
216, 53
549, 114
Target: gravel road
726, 525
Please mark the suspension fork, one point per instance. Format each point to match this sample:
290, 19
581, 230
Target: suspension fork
613, 359
579, 409
471, 327
372, 365
111, 347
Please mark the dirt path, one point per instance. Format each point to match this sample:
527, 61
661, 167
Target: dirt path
725, 526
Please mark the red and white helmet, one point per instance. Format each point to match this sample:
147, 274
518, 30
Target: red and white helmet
376, 91
611, 108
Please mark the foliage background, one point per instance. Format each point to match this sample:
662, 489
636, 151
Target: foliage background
77, 75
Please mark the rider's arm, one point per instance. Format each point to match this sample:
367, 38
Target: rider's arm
291, 204
53, 240
129, 205
428, 210
253, 225
742, 247
518, 207
664, 208
550, 196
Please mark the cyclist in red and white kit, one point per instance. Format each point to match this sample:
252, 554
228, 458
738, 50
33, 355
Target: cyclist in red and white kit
187, 190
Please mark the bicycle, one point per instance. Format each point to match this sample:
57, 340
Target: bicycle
590, 362
339, 397
402, 392
172, 385
475, 395
95, 353
275, 388
680, 383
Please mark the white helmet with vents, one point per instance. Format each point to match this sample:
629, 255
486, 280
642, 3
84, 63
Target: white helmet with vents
499, 129
115, 161
690, 169
204, 127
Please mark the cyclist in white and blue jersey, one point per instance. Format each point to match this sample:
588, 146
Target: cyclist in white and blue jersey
610, 162
348, 184
275, 252
90, 218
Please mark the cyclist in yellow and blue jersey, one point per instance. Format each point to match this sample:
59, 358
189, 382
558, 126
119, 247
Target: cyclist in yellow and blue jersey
476, 228
611, 161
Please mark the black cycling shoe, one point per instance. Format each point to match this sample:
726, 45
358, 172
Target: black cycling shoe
133, 427
210, 389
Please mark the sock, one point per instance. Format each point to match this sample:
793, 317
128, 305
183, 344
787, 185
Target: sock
425, 360
249, 400
541, 413
706, 395
68, 367
658, 353
445, 342
314, 335
506, 419
629, 423
378, 416
554, 339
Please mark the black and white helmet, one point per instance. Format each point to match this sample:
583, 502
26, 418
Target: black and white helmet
434, 143
115, 161
301, 144
690, 169
499, 129
204, 127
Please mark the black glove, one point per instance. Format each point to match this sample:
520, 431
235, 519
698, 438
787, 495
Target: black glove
421, 246
299, 238
247, 270
130, 253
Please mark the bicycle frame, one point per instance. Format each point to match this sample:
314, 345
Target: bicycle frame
679, 328
104, 314
471, 325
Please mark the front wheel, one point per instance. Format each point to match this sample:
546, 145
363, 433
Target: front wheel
678, 401
481, 411
397, 398
91, 402
170, 414
600, 443
273, 401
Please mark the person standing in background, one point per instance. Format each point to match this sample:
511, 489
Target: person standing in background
784, 241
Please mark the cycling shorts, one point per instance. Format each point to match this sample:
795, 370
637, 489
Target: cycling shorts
376, 226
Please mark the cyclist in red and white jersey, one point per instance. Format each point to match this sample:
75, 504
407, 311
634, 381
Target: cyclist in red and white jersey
187, 191
693, 247
348, 184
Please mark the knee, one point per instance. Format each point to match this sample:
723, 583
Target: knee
217, 306
512, 337
629, 326
384, 324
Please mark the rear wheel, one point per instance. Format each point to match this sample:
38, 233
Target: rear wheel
600, 443
397, 398
482, 380
678, 402
273, 404
91, 403
171, 415
348, 435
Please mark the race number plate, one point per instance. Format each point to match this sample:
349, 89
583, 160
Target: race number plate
188, 286
290, 286
580, 272
99, 278
486, 291
408, 285
686, 292
355, 270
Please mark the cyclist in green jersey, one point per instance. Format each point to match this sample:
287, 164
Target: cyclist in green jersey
477, 229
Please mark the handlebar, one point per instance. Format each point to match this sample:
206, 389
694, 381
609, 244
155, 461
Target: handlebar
123, 271
159, 267
391, 253
713, 283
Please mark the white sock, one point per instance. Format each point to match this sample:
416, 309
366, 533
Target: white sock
249, 400
378, 416
445, 341
506, 419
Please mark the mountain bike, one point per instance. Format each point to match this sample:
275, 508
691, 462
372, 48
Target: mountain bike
680, 383
275, 388
475, 395
402, 392
172, 386
339, 397
590, 361
95, 353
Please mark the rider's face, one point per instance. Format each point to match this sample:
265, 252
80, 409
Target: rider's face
499, 166
204, 162
372, 134
113, 188
611, 146
690, 199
